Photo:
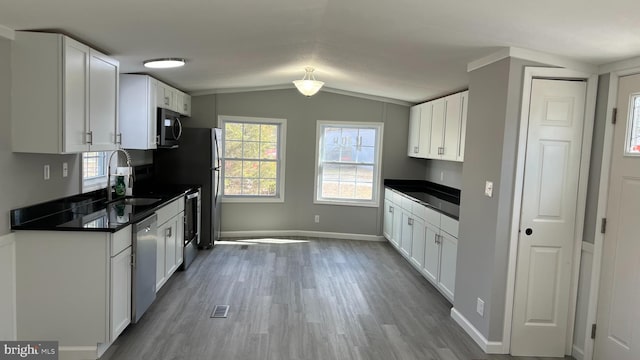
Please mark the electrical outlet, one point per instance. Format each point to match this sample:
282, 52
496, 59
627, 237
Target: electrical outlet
317, 218
480, 307
47, 172
65, 169
488, 188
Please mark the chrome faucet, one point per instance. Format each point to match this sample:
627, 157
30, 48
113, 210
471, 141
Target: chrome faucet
109, 193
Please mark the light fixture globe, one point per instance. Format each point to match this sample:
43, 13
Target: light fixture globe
166, 63
308, 85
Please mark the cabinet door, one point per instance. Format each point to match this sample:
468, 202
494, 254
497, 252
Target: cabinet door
448, 254
431, 253
452, 122
103, 102
426, 116
186, 105
387, 223
397, 226
418, 242
414, 131
160, 257
120, 304
179, 239
406, 234
436, 137
164, 96
76, 95
464, 104
170, 234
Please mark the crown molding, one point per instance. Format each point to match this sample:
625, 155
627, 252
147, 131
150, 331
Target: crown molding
287, 87
532, 55
620, 66
7, 32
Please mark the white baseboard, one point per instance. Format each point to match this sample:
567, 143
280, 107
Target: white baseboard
77, 352
319, 234
489, 347
577, 353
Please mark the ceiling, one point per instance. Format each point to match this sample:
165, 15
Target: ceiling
409, 50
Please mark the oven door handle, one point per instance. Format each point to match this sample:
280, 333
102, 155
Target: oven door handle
194, 195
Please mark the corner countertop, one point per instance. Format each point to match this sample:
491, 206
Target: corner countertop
91, 211
441, 198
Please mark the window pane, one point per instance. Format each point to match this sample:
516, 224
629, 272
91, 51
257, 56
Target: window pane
251, 169
368, 137
348, 173
232, 168
331, 152
268, 169
634, 136
364, 174
347, 190
330, 189
350, 136
269, 133
251, 150
331, 172
267, 187
233, 149
251, 132
233, 131
364, 191
366, 155
269, 151
233, 186
250, 186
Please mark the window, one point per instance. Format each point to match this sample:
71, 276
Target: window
253, 159
94, 170
348, 163
633, 130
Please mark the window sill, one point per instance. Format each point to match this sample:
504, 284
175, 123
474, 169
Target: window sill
94, 184
257, 200
373, 204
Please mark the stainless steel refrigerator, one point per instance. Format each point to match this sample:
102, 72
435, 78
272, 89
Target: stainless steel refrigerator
196, 161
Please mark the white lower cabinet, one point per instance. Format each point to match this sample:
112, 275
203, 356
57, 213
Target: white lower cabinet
170, 241
73, 287
426, 238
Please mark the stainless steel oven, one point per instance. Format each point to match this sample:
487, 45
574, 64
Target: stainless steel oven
192, 213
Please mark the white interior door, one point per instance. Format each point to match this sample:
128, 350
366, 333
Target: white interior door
548, 216
618, 319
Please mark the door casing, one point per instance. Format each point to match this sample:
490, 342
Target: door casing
563, 74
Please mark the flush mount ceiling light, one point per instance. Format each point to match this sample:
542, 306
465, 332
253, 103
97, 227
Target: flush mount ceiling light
308, 86
166, 63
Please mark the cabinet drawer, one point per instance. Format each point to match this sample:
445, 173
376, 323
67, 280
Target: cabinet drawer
419, 210
449, 225
120, 240
432, 216
170, 210
388, 195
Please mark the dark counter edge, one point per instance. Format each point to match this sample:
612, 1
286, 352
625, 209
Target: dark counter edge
38, 211
443, 192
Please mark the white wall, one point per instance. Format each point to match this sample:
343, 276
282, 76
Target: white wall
8, 286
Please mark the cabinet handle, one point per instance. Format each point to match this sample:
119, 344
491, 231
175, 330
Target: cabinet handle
157, 139
168, 232
441, 151
119, 138
410, 222
391, 209
90, 141
133, 261
166, 100
184, 106
416, 149
437, 241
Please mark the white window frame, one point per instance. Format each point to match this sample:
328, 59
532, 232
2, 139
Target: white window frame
377, 171
282, 137
98, 182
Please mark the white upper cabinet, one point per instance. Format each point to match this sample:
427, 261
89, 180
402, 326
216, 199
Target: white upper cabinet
171, 98
437, 128
419, 130
64, 96
138, 111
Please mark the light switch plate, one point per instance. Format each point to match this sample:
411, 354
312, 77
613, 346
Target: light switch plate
47, 172
480, 307
488, 188
65, 169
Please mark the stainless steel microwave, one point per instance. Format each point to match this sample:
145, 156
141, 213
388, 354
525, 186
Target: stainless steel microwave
169, 128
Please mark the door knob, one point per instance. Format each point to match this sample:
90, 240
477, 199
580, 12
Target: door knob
528, 231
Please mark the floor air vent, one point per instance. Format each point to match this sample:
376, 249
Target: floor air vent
220, 311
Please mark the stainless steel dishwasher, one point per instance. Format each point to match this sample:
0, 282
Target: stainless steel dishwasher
143, 274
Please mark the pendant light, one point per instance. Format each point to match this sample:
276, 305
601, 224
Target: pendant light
308, 86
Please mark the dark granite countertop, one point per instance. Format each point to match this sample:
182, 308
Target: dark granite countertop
91, 211
441, 198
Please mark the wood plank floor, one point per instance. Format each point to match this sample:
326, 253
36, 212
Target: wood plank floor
298, 299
